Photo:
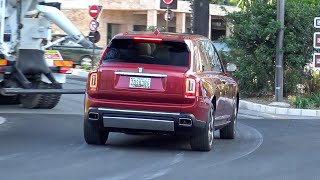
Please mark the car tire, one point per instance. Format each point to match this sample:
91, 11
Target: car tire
203, 141
41, 101
85, 60
95, 135
229, 131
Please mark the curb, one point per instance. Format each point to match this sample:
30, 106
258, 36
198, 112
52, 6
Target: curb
278, 110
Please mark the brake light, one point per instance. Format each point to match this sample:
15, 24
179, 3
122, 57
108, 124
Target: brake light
147, 39
190, 87
93, 81
3, 62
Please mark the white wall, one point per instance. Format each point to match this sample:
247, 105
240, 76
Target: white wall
77, 4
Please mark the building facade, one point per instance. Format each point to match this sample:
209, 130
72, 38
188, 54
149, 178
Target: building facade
118, 16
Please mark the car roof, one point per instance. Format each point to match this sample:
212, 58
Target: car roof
162, 35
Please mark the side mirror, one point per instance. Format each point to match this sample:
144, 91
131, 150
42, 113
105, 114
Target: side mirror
231, 67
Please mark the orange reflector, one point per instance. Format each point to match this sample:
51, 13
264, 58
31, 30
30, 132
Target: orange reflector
64, 70
63, 63
3, 62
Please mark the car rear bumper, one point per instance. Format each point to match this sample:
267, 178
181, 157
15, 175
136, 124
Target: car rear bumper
121, 120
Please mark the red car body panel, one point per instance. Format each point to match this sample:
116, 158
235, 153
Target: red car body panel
167, 92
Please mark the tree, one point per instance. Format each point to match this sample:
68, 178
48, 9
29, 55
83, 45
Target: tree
224, 2
253, 43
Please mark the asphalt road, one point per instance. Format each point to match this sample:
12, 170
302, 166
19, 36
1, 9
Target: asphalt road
48, 144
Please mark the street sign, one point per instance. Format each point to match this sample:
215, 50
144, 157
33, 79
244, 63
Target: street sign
316, 40
94, 11
316, 60
317, 22
172, 5
168, 15
94, 37
167, 1
93, 26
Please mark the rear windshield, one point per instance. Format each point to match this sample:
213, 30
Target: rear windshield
160, 52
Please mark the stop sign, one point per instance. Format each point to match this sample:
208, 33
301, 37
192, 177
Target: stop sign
94, 11
167, 1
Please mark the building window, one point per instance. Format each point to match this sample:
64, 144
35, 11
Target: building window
218, 29
139, 27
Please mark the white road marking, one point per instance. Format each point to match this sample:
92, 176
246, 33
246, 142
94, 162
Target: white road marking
158, 169
163, 171
259, 141
2, 120
10, 156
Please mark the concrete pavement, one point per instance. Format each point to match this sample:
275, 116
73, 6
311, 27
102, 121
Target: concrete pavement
45, 145
246, 105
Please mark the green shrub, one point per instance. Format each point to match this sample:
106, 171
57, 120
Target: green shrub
305, 101
253, 46
315, 98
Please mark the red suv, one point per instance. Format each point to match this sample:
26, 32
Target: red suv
161, 83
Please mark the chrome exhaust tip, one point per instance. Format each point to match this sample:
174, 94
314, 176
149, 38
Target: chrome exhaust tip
186, 122
93, 116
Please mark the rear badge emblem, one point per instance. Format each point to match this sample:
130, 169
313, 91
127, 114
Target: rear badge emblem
140, 69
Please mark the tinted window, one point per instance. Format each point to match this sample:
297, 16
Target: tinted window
160, 52
214, 57
205, 60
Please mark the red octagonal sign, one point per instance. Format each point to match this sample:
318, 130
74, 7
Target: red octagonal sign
167, 1
94, 11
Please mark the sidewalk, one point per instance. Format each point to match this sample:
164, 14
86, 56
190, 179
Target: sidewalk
246, 105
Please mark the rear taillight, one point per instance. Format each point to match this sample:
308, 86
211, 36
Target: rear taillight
3, 62
190, 87
93, 81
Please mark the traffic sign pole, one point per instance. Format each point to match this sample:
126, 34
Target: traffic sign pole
279, 53
167, 21
94, 13
93, 56
168, 2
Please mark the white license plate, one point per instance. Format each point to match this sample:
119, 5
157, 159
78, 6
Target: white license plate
138, 82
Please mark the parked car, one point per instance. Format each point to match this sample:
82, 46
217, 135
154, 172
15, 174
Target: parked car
72, 51
161, 83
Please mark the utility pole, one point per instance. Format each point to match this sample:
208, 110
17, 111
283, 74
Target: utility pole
279, 52
201, 17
